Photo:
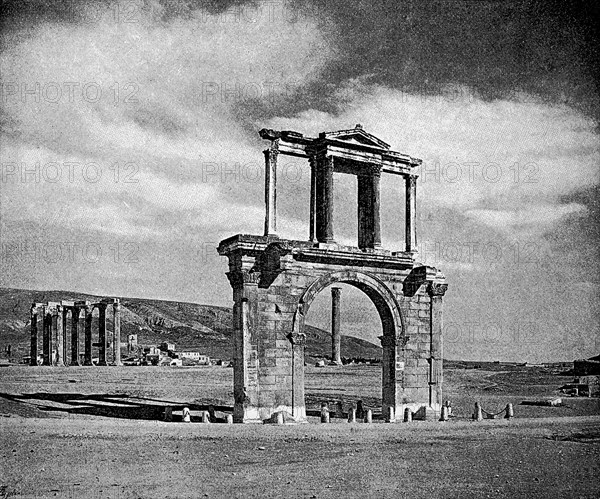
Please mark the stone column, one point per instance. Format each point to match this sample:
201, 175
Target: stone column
369, 206
411, 213
117, 333
298, 341
336, 337
313, 196
47, 337
376, 206
58, 333
75, 336
271, 191
324, 201
365, 216
33, 350
436, 291
65, 336
102, 346
87, 359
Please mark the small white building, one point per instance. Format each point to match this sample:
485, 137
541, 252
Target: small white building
195, 356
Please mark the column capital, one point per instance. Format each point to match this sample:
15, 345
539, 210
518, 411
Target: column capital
371, 170
393, 341
436, 289
298, 339
271, 152
237, 278
323, 158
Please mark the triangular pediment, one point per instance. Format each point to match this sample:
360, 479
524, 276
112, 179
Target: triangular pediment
357, 136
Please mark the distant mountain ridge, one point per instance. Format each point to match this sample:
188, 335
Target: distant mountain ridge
206, 328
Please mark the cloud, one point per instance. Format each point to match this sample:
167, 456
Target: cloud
158, 95
478, 156
497, 177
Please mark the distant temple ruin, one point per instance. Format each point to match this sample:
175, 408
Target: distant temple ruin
275, 280
57, 348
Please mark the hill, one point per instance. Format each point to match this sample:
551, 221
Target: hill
206, 328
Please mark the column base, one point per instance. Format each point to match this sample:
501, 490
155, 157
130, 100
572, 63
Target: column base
328, 245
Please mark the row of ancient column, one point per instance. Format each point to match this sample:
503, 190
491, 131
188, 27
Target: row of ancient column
321, 202
53, 316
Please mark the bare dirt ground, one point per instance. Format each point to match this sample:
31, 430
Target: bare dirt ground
95, 432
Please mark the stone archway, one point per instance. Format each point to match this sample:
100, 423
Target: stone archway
392, 328
275, 280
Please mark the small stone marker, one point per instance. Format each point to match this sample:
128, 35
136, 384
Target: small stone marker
352, 415
509, 411
229, 419
444, 413
390, 417
369, 416
280, 417
360, 410
449, 406
324, 413
168, 414
477, 415
186, 415
407, 415
205, 417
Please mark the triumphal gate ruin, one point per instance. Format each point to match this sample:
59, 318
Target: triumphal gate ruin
275, 280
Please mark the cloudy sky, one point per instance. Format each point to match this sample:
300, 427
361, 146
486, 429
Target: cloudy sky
130, 149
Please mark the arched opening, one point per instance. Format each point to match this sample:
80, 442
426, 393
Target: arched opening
343, 327
392, 326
